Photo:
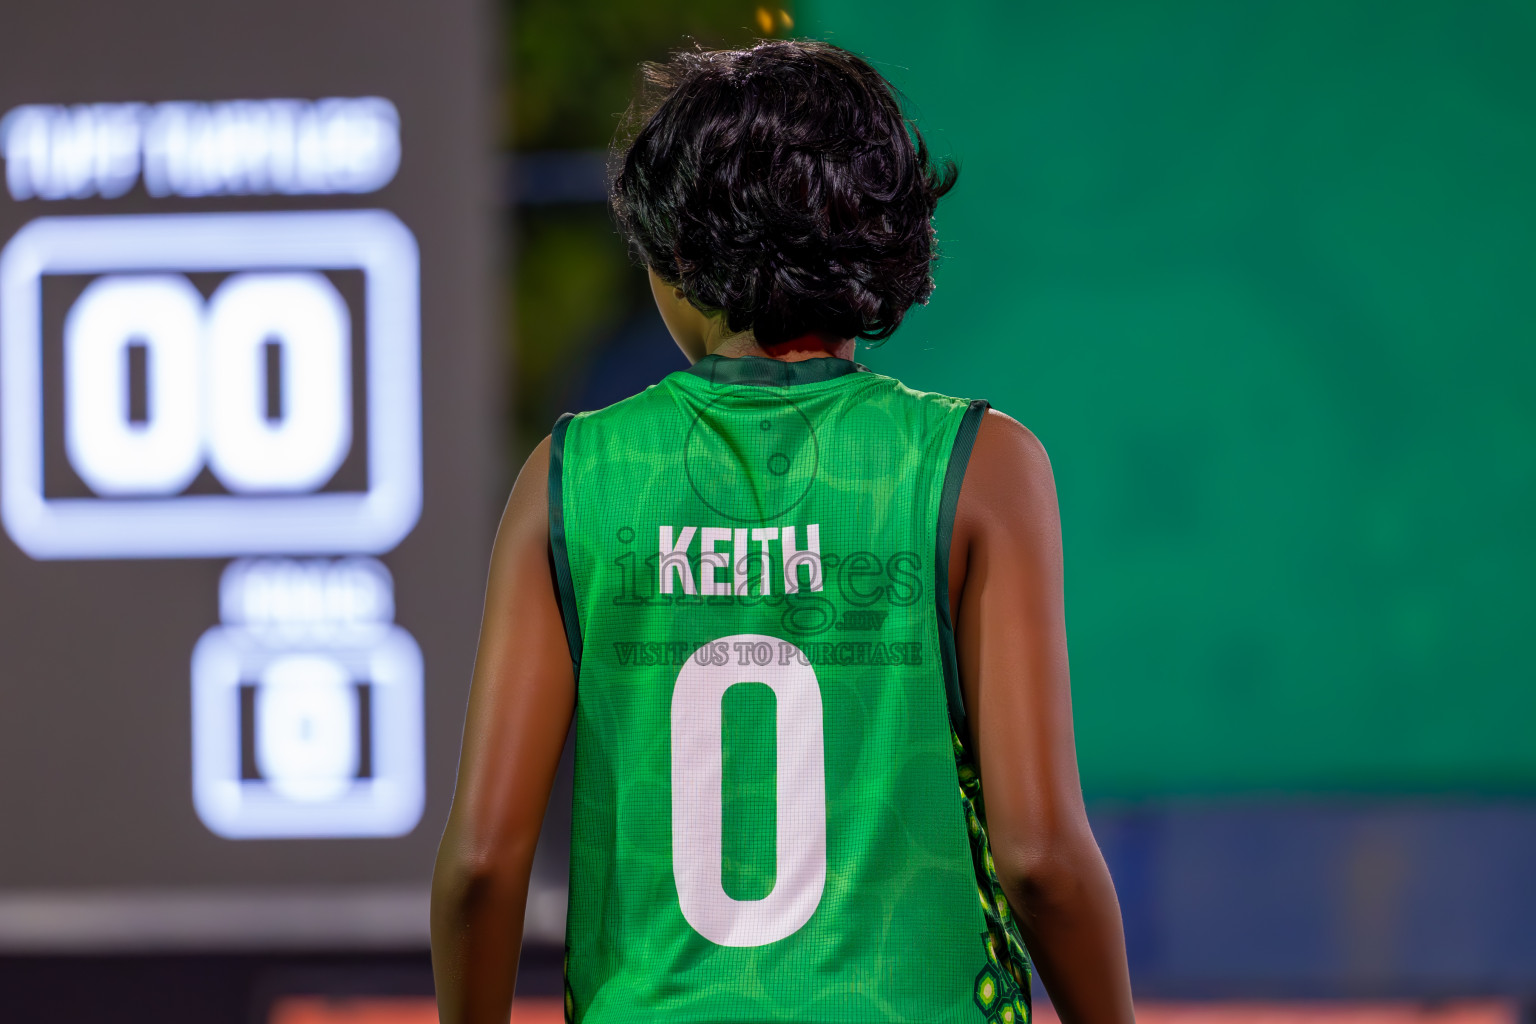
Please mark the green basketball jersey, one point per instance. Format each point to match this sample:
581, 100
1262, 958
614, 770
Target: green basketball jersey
776, 817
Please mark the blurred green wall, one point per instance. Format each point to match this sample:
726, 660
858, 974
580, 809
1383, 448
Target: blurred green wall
1262, 277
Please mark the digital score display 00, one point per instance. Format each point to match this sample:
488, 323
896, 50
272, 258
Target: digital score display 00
247, 478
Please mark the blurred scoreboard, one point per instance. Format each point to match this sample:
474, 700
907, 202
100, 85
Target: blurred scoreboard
248, 476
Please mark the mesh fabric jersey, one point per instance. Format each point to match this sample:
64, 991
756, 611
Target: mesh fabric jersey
775, 815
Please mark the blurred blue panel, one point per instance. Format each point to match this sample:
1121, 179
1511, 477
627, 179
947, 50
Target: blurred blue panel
638, 355
558, 176
1356, 899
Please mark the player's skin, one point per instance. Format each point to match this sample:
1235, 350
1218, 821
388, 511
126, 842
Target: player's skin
1005, 581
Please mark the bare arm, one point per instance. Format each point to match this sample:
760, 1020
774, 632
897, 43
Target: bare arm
520, 707
1006, 584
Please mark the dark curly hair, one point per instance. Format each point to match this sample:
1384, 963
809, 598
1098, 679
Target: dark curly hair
783, 187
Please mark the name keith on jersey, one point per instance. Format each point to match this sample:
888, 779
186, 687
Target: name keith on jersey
773, 565
726, 572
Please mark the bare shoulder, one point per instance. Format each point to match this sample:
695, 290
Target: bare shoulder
540, 452
1007, 511
535, 471
1005, 436
526, 516
1009, 472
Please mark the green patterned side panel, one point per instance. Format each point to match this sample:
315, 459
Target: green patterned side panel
1003, 985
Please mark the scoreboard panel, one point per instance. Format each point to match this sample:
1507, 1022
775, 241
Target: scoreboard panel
252, 383
248, 477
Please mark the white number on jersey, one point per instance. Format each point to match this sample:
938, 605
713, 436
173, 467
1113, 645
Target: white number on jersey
697, 767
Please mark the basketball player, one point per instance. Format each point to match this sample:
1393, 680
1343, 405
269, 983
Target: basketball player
807, 621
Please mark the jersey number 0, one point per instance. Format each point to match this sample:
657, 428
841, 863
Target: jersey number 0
697, 767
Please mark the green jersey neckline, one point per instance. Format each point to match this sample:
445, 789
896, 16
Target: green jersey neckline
718, 369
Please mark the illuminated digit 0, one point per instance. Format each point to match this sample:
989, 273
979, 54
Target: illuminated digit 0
299, 444
306, 728
116, 449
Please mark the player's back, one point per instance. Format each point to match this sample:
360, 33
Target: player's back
774, 819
